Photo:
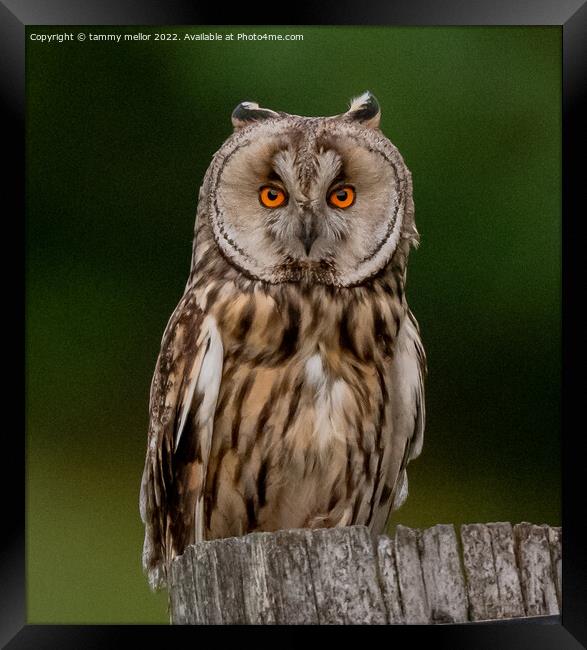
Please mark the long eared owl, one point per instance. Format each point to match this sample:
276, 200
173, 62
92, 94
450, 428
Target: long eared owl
288, 392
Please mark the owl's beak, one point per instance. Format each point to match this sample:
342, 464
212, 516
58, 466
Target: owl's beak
310, 233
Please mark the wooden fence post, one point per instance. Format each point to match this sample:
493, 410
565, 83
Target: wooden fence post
342, 576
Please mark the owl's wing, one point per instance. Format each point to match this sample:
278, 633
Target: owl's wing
183, 398
409, 371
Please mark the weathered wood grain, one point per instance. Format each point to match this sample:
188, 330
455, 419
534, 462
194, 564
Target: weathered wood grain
443, 578
344, 571
290, 578
535, 567
259, 598
480, 572
506, 570
182, 593
410, 578
343, 576
555, 537
491, 572
205, 579
228, 601
389, 580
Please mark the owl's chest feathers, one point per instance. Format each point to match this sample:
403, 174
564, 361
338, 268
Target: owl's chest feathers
309, 368
268, 324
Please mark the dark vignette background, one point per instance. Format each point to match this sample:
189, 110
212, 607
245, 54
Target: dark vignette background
118, 139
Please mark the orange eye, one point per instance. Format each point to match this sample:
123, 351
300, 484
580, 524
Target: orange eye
342, 197
272, 197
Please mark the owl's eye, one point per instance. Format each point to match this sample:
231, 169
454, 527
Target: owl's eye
272, 197
342, 197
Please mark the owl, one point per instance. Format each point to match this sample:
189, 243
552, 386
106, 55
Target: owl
288, 392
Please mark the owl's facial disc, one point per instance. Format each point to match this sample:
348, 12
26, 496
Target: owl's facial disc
309, 199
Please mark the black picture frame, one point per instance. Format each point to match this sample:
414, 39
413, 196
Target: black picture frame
569, 630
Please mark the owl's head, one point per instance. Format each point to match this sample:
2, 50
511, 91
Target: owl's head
309, 199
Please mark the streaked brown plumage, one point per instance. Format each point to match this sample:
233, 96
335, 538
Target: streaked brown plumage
288, 391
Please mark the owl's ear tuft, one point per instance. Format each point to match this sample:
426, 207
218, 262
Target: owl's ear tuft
247, 112
365, 109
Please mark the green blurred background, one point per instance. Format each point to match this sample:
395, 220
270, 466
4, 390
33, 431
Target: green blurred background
119, 137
